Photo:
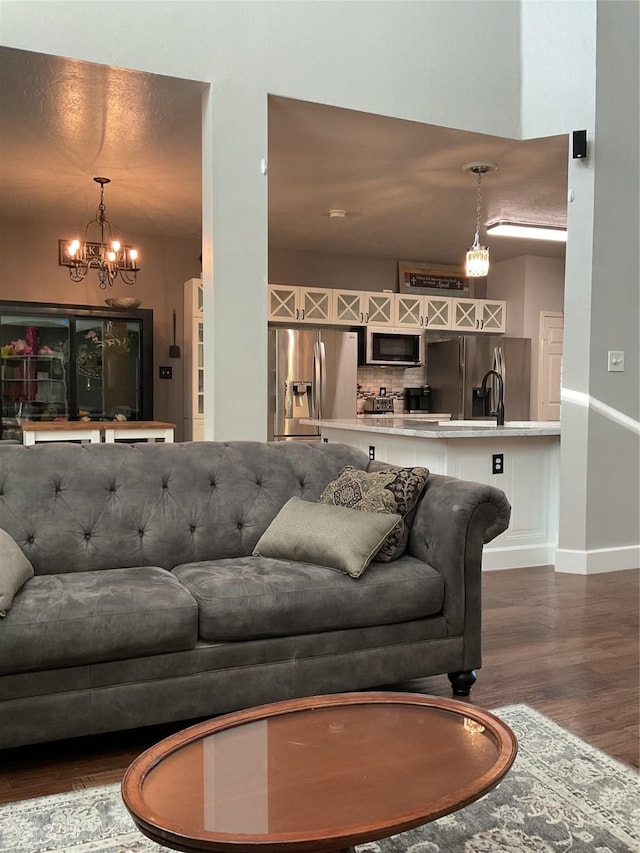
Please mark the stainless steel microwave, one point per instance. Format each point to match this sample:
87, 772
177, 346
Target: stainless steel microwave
386, 346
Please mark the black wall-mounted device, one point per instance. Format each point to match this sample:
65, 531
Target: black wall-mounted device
579, 144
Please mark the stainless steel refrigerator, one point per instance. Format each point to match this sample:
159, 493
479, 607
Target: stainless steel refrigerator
455, 369
312, 374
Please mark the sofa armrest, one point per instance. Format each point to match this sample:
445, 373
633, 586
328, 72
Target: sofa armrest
452, 522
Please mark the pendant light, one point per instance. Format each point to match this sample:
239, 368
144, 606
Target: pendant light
478, 256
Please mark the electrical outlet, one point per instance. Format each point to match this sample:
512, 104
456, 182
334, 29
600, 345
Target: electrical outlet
165, 372
372, 452
497, 463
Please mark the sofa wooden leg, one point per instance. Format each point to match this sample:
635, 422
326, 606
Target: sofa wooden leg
462, 682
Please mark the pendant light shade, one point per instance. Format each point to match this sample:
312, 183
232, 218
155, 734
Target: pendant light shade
477, 265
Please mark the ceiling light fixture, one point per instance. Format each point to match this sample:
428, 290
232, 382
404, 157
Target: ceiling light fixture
477, 255
108, 256
336, 213
528, 231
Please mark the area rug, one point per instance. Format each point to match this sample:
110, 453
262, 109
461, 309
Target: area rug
560, 795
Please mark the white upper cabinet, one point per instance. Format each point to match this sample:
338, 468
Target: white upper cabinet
422, 312
479, 315
321, 306
193, 335
348, 307
379, 308
288, 303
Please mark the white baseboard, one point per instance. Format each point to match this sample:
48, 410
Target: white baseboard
597, 561
523, 557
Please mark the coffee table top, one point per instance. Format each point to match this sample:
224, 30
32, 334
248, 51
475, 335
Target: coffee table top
316, 774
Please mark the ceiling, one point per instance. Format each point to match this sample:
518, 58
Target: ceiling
401, 183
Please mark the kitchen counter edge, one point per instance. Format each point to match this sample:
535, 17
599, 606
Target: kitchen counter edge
432, 430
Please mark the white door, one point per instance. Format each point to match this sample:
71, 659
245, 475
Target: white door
550, 365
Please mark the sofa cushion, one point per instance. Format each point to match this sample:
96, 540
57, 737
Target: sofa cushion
393, 490
87, 617
253, 597
332, 536
15, 570
83, 507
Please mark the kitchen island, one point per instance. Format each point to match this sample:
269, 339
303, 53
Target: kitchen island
522, 458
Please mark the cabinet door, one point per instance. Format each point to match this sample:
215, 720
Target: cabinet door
348, 307
283, 303
492, 315
193, 334
464, 315
34, 365
437, 312
409, 311
479, 315
107, 378
379, 309
315, 305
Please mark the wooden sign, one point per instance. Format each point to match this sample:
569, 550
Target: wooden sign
93, 252
428, 279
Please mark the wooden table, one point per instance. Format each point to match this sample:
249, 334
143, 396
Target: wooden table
151, 430
318, 774
33, 431
95, 431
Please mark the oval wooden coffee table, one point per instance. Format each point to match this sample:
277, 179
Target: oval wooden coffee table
318, 774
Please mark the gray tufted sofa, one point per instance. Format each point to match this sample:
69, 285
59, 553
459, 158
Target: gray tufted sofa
146, 605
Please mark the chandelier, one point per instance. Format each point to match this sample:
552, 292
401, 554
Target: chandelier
477, 255
104, 253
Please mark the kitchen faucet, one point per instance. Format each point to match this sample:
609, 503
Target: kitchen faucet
499, 412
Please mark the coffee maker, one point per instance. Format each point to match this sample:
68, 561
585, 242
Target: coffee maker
417, 399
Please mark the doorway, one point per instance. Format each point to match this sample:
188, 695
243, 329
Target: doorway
550, 365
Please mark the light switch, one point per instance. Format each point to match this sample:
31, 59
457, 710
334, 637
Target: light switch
615, 361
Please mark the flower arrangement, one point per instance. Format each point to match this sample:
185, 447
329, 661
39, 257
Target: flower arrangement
19, 347
110, 340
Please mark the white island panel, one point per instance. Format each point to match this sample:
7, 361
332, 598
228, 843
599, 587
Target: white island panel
530, 477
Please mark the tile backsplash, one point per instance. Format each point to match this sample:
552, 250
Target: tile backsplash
394, 379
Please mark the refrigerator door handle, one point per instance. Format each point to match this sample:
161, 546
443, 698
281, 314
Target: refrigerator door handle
319, 378
288, 400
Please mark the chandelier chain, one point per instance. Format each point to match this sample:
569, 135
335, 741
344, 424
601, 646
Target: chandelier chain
478, 208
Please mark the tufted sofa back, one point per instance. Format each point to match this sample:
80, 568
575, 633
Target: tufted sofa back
87, 507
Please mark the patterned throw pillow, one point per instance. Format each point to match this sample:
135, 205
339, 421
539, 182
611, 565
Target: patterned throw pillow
394, 490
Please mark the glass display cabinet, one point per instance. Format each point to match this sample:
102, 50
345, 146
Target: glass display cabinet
61, 362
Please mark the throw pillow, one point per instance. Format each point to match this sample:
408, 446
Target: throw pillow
333, 536
15, 570
394, 490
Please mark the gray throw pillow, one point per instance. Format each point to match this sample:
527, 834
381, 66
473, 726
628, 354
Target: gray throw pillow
394, 490
15, 570
333, 536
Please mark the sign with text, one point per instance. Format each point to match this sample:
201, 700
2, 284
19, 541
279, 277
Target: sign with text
93, 253
428, 279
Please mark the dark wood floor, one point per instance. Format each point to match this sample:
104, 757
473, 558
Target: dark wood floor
567, 645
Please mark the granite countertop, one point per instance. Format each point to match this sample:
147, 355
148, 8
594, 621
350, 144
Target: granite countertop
406, 425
